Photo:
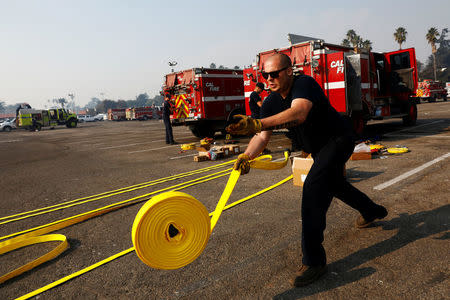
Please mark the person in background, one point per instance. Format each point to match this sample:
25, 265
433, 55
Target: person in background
167, 110
255, 101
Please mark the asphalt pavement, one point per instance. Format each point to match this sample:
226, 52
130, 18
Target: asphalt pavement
255, 248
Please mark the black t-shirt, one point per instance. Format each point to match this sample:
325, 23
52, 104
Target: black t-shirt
323, 121
254, 108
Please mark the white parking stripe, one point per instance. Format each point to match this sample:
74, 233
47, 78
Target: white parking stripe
152, 149
420, 136
11, 141
409, 173
410, 128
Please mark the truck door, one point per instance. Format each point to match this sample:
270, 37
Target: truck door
402, 66
334, 85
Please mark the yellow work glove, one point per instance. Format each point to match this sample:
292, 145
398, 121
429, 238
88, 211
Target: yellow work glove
242, 163
245, 126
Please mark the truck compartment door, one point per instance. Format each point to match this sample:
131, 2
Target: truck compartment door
334, 85
403, 69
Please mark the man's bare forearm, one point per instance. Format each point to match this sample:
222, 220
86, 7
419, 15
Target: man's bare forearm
256, 145
282, 126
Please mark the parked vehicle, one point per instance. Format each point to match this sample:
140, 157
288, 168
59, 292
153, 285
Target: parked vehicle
8, 125
101, 117
139, 113
34, 119
116, 114
204, 98
431, 90
362, 85
86, 118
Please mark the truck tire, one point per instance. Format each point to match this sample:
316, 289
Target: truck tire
444, 98
202, 130
71, 123
411, 118
38, 127
432, 99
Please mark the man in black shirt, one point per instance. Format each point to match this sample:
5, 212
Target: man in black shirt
255, 101
167, 110
298, 103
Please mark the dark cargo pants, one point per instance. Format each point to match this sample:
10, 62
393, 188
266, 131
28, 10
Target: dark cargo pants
326, 180
169, 134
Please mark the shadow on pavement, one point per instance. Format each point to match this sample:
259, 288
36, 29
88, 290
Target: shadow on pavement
410, 229
354, 175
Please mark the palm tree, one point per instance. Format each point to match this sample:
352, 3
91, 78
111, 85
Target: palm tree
345, 43
367, 44
400, 36
432, 36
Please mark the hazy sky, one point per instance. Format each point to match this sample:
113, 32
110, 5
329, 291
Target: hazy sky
119, 49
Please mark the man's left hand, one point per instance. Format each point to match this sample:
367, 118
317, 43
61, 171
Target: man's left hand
245, 126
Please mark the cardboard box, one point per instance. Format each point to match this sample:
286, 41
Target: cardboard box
198, 158
300, 169
361, 156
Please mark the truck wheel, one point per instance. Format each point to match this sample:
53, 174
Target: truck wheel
444, 98
38, 127
202, 130
411, 118
72, 123
432, 99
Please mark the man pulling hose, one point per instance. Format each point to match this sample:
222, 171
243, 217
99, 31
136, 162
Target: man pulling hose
299, 104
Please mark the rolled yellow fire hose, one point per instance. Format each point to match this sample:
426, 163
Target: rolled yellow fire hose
397, 150
172, 229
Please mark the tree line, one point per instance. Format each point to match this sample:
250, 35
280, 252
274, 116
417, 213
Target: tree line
94, 106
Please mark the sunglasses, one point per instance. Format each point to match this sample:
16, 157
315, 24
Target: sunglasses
273, 74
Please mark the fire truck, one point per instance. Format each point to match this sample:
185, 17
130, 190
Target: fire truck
139, 113
204, 99
361, 85
116, 114
431, 90
34, 119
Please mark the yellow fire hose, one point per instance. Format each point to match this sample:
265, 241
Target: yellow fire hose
179, 231
171, 230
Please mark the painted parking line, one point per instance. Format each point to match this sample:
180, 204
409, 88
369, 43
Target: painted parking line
135, 144
411, 128
410, 173
11, 141
153, 149
420, 136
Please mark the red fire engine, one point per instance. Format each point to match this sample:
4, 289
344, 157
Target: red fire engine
205, 98
431, 90
116, 114
363, 86
139, 113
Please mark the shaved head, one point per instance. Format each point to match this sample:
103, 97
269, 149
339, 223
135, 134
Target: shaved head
280, 59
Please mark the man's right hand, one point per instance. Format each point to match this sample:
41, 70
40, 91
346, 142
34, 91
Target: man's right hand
242, 163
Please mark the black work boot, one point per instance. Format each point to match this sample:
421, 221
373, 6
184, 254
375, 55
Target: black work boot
380, 213
307, 275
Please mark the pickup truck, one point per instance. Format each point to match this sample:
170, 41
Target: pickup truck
8, 125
